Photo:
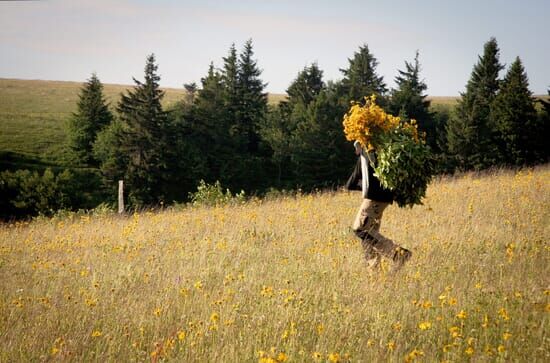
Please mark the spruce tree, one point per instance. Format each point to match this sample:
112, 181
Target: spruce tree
145, 139
91, 117
211, 124
253, 99
360, 78
282, 120
409, 100
306, 86
470, 134
514, 115
321, 155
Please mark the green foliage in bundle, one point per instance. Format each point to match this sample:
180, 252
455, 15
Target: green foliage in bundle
405, 165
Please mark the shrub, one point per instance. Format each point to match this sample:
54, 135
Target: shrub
213, 194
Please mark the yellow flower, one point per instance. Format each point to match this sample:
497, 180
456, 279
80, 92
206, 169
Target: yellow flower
469, 351
507, 335
316, 356
282, 357
501, 348
181, 335
455, 332
334, 357
413, 355
198, 285
503, 314
96, 333
425, 325
391, 345
462, 314
214, 317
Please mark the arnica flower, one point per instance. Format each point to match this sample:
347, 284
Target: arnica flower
462, 315
96, 333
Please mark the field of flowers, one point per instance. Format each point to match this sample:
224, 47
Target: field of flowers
284, 280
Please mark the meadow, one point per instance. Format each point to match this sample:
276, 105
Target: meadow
283, 279
34, 115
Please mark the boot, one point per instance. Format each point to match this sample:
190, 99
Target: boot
400, 256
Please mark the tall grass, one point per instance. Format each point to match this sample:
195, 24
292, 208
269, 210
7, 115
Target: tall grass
285, 279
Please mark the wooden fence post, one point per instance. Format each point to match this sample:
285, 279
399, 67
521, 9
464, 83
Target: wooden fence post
120, 196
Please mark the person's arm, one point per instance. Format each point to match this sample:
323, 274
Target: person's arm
354, 181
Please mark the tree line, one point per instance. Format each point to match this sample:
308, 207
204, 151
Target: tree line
225, 131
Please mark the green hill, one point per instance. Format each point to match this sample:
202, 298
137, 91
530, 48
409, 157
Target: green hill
33, 116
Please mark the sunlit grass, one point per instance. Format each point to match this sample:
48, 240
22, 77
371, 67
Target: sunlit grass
284, 279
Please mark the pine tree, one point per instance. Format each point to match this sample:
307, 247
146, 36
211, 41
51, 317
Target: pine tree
321, 155
514, 115
306, 86
145, 138
211, 124
409, 100
253, 99
470, 134
91, 117
282, 120
360, 78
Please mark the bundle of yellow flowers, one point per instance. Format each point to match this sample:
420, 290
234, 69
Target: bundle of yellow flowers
404, 161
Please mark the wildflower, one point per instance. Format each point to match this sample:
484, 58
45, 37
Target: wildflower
181, 335
157, 312
455, 332
427, 304
469, 350
503, 314
198, 285
320, 329
282, 357
391, 345
462, 315
501, 348
214, 317
334, 357
485, 321
316, 356
507, 335
96, 333
413, 355
425, 325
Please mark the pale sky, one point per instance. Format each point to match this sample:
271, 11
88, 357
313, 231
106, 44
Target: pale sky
70, 39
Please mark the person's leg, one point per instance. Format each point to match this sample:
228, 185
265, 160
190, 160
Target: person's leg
363, 224
367, 226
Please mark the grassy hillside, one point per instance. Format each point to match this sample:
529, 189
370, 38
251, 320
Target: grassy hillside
284, 280
33, 114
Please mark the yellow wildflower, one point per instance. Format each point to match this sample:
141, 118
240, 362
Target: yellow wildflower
462, 315
334, 357
425, 325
